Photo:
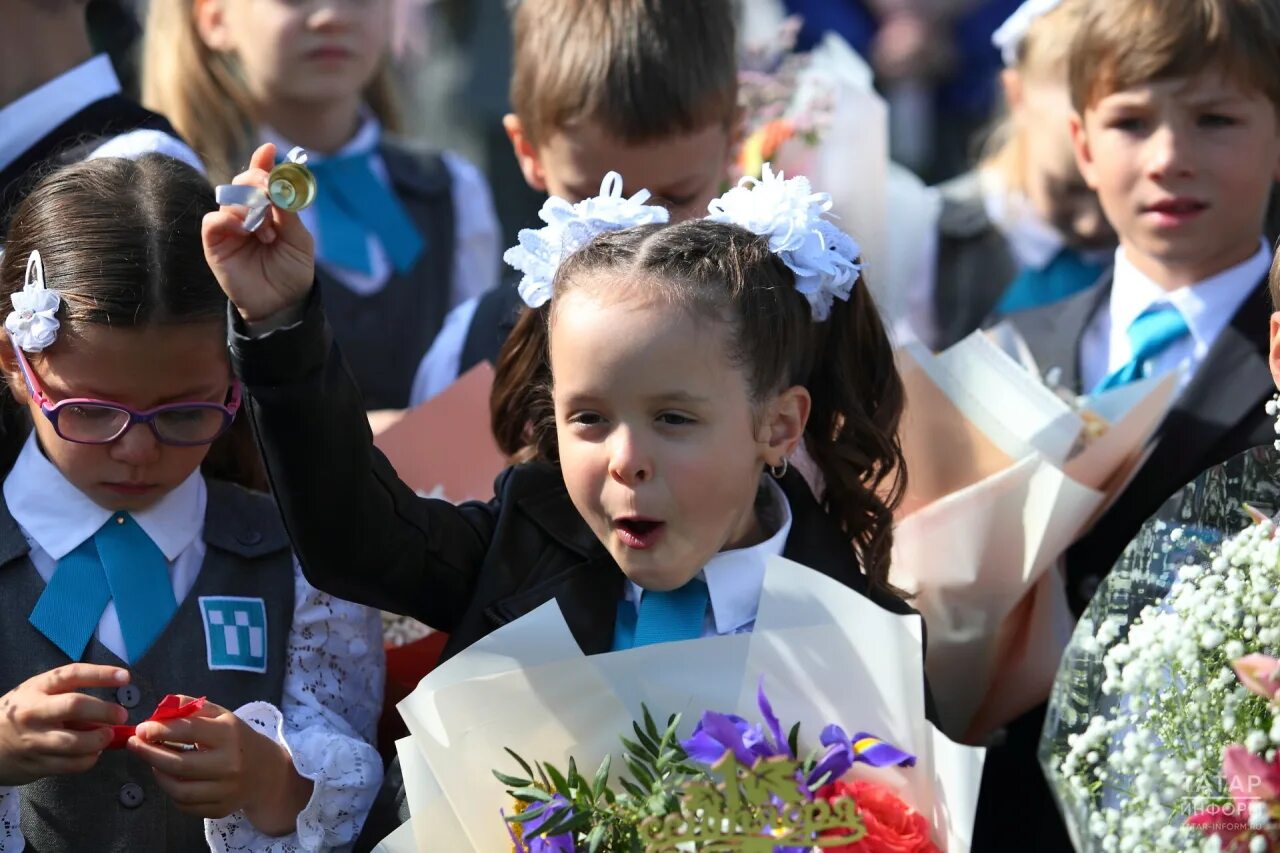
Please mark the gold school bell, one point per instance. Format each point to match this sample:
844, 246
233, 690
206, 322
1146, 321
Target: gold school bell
290, 186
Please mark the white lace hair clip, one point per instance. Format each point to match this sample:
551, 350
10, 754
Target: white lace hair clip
570, 227
823, 258
33, 322
1009, 36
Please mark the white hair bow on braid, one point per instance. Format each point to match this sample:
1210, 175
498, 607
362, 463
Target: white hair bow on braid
823, 258
33, 322
570, 227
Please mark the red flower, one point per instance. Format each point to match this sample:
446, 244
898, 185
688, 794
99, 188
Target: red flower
892, 825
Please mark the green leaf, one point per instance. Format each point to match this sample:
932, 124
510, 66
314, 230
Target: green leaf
524, 765
512, 781
793, 739
636, 750
633, 789
649, 725
595, 838
643, 776
576, 782
530, 794
650, 744
669, 736
601, 780
558, 782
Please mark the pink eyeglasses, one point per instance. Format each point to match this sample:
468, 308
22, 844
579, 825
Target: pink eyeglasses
87, 421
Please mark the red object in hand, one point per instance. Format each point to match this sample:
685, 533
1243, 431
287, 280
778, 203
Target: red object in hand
170, 708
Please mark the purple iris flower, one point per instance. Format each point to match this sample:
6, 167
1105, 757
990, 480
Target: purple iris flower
717, 733
562, 843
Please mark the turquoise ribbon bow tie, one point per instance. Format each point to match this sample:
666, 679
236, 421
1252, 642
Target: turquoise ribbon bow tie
352, 203
120, 563
1066, 275
1155, 330
664, 617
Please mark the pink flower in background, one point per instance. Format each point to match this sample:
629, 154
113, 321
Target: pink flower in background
1260, 674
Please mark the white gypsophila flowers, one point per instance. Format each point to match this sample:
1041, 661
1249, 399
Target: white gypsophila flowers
1153, 756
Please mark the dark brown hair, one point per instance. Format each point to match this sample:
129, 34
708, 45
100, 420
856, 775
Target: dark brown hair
1124, 43
725, 273
1273, 280
121, 244
641, 69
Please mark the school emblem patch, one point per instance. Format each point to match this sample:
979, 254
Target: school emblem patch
235, 632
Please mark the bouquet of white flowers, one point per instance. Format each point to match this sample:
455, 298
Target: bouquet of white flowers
1162, 734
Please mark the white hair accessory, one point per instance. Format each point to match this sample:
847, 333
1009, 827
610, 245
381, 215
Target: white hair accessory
1008, 37
33, 322
823, 258
570, 227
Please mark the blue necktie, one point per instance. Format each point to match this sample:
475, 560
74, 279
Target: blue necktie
664, 617
120, 563
1066, 275
1155, 330
351, 203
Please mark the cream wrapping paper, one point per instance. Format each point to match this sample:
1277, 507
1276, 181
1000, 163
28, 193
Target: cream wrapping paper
1000, 485
828, 654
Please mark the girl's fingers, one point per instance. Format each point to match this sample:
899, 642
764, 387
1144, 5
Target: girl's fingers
200, 765
67, 765
264, 158
77, 676
80, 708
202, 795
65, 743
219, 226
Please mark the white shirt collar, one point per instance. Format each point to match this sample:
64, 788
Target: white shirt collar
735, 578
34, 115
366, 139
1207, 305
1033, 241
58, 517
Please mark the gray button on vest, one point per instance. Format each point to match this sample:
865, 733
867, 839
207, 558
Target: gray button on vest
249, 537
131, 795
129, 696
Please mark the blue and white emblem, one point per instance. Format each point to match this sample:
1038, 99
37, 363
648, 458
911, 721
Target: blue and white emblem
235, 632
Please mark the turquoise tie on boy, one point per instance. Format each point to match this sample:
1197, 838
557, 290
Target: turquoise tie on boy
352, 203
1153, 332
118, 563
1066, 275
663, 617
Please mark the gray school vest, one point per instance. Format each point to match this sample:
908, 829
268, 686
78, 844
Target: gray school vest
384, 336
974, 265
117, 806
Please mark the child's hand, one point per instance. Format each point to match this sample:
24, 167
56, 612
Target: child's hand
48, 729
267, 271
233, 768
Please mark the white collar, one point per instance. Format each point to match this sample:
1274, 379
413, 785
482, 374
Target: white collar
1033, 241
1207, 305
34, 115
735, 578
59, 517
365, 140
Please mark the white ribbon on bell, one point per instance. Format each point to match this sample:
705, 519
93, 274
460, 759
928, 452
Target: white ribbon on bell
254, 198
33, 322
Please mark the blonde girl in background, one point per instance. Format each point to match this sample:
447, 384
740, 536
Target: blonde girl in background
402, 233
1022, 229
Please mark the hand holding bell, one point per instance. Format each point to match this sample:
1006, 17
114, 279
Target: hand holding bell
290, 186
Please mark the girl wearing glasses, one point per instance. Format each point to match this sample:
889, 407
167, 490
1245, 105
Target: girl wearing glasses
134, 563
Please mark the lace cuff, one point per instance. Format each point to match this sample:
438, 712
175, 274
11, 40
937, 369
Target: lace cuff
11, 840
346, 772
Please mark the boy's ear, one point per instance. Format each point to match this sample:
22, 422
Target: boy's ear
1274, 359
211, 24
784, 424
526, 153
1084, 153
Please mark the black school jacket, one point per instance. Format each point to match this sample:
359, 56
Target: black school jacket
362, 534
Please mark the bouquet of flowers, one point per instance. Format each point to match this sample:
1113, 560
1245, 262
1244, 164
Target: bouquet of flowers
817, 114
826, 654
674, 795
1005, 475
1163, 730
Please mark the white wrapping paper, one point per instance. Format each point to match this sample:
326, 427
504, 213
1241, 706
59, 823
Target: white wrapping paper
827, 655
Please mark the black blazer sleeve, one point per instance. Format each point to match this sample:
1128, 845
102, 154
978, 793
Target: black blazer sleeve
359, 532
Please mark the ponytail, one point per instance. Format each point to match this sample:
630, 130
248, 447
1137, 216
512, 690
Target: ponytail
852, 434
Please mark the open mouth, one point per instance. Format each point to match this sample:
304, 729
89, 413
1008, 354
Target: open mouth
638, 533
1177, 209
